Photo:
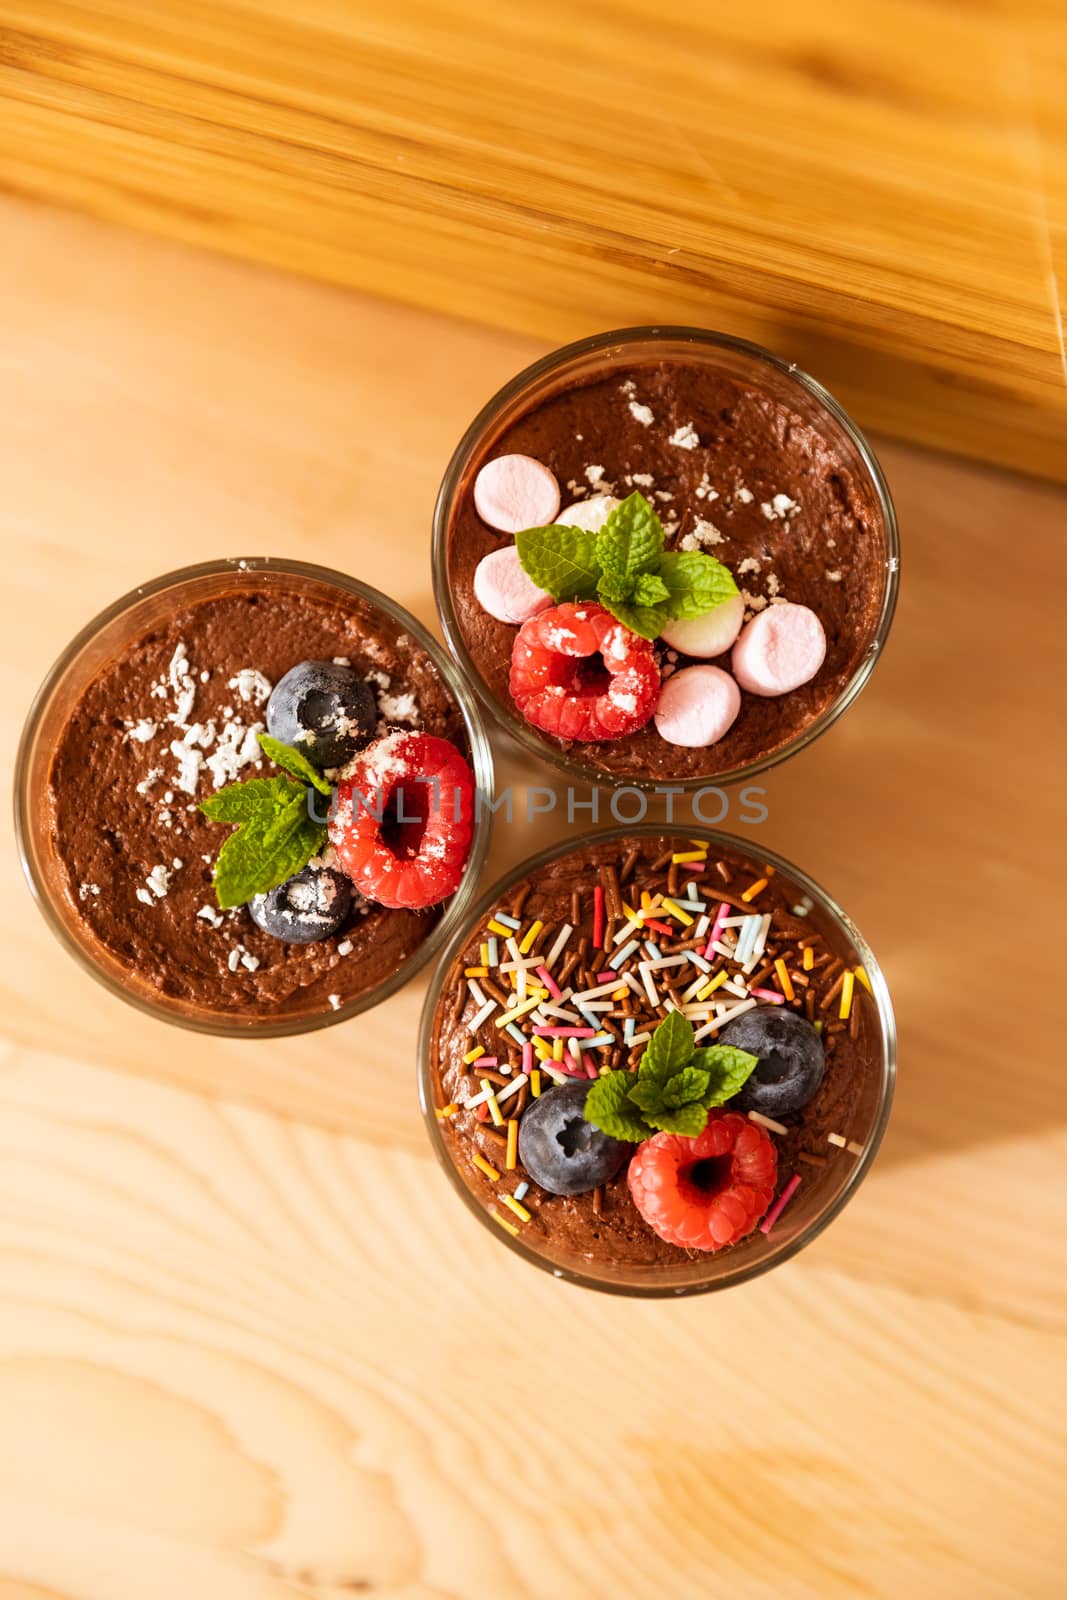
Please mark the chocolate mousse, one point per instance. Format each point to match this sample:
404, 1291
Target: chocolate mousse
563, 988
732, 472
172, 723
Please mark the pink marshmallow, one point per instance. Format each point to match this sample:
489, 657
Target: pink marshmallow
502, 588
697, 706
780, 649
516, 492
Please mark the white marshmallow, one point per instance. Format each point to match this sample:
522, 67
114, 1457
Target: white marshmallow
697, 706
589, 514
516, 492
709, 635
780, 649
502, 588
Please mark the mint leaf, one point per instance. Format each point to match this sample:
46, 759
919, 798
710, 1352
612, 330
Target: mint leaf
695, 583
614, 589
649, 589
691, 1084
631, 540
276, 837
283, 755
669, 1049
646, 620
242, 801
560, 559
646, 1095
607, 1108
728, 1070
689, 1121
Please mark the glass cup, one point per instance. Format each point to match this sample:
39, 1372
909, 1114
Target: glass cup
129, 619
824, 1190
633, 347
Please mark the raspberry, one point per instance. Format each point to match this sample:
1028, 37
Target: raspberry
402, 823
577, 673
708, 1192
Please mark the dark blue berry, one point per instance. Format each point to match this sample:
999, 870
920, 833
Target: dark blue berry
312, 905
560, 1150
791, 1060
325, 711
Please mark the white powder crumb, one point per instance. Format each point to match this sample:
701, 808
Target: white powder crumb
595, 474
745, 496
753, 602
146, 898
237, 747
629, 388
205, 676
644, 480
772, 583
779, 507
149, 779
577, 488
382, 679
87, 889
142, 731
208, 913
686, 437
703, 533
251, 685
704, 491
671, 526
342, 661
749, 564
165, 817
335, 1001
207, 860
233, 960
641, 414
249, 962
180, 676
345, 947
579, 438
830, 543
662, 494
835, 576
189, 760
398, 707
158, 881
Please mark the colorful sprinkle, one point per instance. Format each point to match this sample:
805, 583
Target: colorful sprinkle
512, 1204
780, 1204
784, 979
483, 1166
847, 987
528, 937
862, 976
512, 1153
753, 890
508, 1226
767, 1122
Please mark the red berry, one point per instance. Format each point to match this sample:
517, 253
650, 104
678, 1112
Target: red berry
577, 673
403, 819
708, 1192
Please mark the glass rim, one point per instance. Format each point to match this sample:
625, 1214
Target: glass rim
862, 1163
534, 742
220, 1024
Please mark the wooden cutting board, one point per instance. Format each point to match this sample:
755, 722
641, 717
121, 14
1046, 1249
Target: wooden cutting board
876, 189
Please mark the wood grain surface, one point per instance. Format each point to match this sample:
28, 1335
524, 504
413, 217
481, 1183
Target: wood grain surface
251, 1348
877, 188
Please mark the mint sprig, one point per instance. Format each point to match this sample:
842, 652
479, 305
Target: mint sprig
674, 1087
276, 833
626, 568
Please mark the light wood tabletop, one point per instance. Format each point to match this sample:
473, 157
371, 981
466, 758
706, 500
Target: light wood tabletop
251, 1347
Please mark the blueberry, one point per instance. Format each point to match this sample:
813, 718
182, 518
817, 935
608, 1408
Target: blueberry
311, 905
326, 711
791, 1061
560, 1150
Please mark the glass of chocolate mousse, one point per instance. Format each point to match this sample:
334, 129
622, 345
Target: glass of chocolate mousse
656, 1062
665, 556
247, 797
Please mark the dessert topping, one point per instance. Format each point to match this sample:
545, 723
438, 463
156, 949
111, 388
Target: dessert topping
502, 588
779, 649
791, 1059
560, 1148
403, 821
277, 831
515, 491
326, 711
624, 564
697, 706
709, 635
675, 1085
313, 904
708, 1191
577, 674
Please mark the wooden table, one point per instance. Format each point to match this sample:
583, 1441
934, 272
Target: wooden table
251, 1348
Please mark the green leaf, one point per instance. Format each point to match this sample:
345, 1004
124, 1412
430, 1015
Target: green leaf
686, 1086
560, 559
265, 851
283, 755
614, 589
649, 589
631, 540
689, 1121
646, 1094
669, 1049
242, 801
696, 583
645, 620
728, 1070
607, 1107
